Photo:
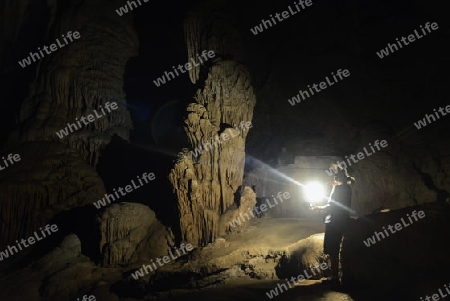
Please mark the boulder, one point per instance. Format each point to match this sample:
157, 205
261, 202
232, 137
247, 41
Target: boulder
130, 232
410, 260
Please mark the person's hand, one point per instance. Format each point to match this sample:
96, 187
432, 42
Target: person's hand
313, 207
336, 183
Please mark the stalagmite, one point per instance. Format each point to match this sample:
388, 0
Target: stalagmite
207, 179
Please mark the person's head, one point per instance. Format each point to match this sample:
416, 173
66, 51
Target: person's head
342, 177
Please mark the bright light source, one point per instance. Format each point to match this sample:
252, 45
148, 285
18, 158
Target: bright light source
314, 192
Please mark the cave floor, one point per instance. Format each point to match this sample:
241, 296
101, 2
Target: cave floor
252, 289
274, 233
277, 233
264, 235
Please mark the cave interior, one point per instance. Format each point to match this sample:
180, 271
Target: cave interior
164, 151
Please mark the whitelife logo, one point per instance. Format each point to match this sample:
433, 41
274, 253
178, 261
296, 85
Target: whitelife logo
323, 85
284, 15
162, 80
360, 156
423, 123
435, 297
31, 240
27, 61
371, 240
223, 136
10, 158
128, 189
274, 292
91, 118
411, 38
165, 259
263, 207
124, 9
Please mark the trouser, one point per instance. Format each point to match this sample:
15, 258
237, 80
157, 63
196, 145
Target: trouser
334, 232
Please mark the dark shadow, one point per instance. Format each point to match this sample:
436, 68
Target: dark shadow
237, 196
121, 162
79, 221
290, 266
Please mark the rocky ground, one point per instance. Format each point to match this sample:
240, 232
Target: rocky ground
250, 257
249, 263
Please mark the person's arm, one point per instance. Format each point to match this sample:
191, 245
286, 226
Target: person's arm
318, 208
327, 205
324, 206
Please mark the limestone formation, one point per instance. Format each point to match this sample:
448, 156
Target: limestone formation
131, 232
49, 179
78, 79
207, 180
71, 83
243, 213
63, 274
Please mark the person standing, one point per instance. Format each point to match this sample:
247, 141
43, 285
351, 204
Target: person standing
337, 219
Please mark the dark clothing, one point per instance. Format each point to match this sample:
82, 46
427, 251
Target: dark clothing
342, 195
332, 239
338, 219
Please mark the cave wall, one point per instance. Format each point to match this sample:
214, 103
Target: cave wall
58, 174
383, 180
381, 99
64, 88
